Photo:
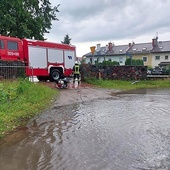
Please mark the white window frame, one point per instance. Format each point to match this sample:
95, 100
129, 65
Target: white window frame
167, 57
157, 58
146, 58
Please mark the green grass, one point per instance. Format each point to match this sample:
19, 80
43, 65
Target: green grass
127, 85
21, 100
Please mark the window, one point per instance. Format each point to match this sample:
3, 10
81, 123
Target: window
90, 60
144, 59
120, 59
1, 44
12, 45
157, 57
166, 57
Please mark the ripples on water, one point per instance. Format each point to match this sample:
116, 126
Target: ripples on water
126, 132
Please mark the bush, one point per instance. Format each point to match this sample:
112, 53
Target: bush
107, 63
134, 62
10, 91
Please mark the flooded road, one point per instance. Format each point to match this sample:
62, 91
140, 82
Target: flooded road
124, 132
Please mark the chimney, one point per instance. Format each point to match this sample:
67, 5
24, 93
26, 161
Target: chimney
110, 46
98, 47
154, 41
107, 48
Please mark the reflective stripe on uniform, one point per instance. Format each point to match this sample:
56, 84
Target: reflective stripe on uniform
76, 69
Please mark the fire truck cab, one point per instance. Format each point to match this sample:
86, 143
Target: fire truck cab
11, 49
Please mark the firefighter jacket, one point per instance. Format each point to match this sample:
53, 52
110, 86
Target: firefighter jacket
76, 69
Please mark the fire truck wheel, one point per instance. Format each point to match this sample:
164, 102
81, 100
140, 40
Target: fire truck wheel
54, 75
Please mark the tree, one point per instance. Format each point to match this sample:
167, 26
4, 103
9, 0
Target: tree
26, 18
67, 40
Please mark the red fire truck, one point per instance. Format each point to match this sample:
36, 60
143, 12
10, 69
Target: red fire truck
46, 60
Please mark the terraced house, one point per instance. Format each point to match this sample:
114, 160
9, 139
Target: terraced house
153, 54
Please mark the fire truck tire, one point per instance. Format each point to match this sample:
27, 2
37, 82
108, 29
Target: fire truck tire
55, 75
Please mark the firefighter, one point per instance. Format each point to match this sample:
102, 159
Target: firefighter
76, 73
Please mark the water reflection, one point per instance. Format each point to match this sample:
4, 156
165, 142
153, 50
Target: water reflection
127, 132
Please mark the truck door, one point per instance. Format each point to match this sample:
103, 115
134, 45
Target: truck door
13, 52
2, 49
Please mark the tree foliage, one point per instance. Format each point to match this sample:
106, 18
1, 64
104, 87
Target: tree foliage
26, 18
67, 40
134, 62
107, 63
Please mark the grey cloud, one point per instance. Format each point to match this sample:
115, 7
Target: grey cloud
110, 19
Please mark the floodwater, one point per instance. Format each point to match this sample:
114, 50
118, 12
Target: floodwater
125, 132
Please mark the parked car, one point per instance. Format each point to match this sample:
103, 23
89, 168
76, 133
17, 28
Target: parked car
159, 71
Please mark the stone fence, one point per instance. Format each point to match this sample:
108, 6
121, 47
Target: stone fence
114, 72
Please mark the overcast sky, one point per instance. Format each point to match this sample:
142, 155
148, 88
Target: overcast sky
91, 22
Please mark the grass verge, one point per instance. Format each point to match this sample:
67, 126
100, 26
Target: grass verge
129, 85
21, 100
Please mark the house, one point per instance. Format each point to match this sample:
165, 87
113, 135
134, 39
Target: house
152, 53
110, 53
79, 59
141, 51
160, 52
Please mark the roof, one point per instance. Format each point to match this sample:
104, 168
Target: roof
162, 46
164, 63
140, 48
101, 52
116, 50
